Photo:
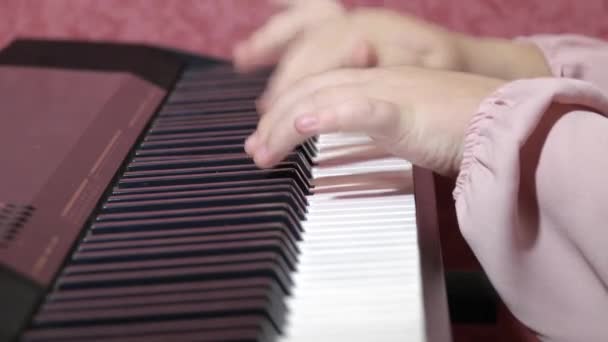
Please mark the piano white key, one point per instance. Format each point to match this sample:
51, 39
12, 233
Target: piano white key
358, 276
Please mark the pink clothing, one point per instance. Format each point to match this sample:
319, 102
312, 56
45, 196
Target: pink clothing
531, 197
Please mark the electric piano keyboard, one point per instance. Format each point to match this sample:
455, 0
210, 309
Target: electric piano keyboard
190, 241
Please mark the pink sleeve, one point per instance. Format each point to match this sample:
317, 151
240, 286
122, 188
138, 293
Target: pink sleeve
532, 202
574, 56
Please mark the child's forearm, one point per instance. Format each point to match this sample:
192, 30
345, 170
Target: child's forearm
501, 58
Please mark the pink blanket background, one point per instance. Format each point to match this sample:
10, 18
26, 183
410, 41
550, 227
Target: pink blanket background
212, 26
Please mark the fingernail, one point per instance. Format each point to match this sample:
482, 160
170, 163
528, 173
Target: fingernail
307, 123
260, 105
263, 157
251, 144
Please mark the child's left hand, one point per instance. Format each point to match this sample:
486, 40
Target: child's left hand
417, 114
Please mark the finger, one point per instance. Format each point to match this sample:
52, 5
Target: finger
283, 3
376, 118
302, 61
266, 45
325, 6
309, 85
302, 2
276, 134
297, 98
342, 109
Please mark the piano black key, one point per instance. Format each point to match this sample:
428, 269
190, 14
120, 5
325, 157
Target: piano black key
247, 110
93, 307
207, 119
147, 216
231, 335
160, 288
164, 137
237, 328
204, 117
207, 186
142, 164
181, 271
211, 159
232, 167
175, 110
179, 241
170, 161
309, 147
295, 161
277, 270
260, 323
186, 193
196, 95
207, 202
228, 87
302, 154
266, 305
167, 298
215, 149
171, 263
196, 231
196, 222
229, 237
243, 176
199, 211
276, 241
250, 124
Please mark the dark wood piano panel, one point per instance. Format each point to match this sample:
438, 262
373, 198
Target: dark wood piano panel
428, 208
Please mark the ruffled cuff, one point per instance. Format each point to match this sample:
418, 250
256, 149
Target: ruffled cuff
520, 208
495, 104
507, 117
573, 56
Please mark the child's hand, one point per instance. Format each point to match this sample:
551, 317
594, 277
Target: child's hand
361, 38
418, 114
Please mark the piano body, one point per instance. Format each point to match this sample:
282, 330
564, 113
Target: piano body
129, 212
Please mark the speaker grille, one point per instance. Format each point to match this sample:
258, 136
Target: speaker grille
12, 219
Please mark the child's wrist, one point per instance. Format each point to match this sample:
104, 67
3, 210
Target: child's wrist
466, 46
500, 58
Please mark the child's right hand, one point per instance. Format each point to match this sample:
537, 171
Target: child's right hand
313, 36
360, 38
